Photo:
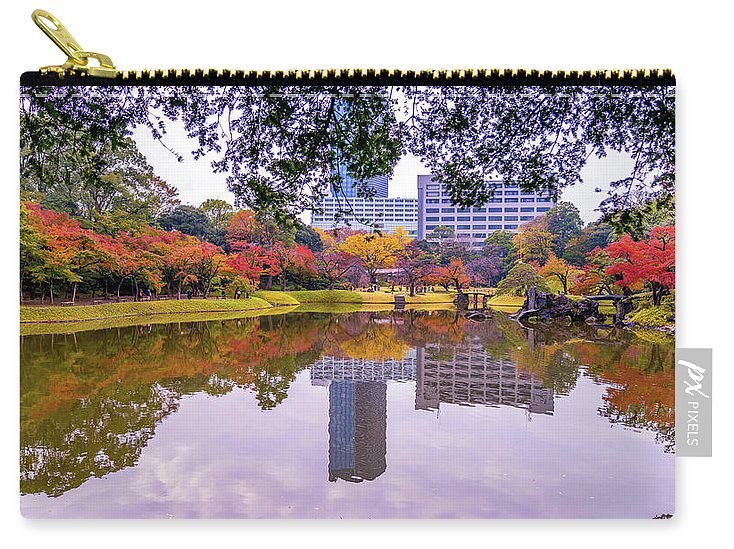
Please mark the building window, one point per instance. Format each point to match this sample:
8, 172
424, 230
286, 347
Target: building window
433, 193
430, 227
445, 201
447, 210
433, 187
513, 210
510, 218
526, 217
543, 209
494, 200
527, 209
432, 210
494, 227
432, 201
463, 210
463, 218
480, 210
511, 185
431, 218
494, 218
463, 227
480, 218
511, 193
527, 200
494, 210
510, 199
478, 227
510, 226
447, 218
480, 235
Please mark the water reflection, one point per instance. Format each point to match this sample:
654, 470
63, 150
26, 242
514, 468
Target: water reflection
91, 401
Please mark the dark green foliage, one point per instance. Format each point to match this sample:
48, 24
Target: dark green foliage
595, 235
279, 147
520, 278
564, 222
306, 236
188, 220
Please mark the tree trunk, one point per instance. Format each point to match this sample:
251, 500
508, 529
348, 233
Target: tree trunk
51, 291
269, 283
119, 286
73, 292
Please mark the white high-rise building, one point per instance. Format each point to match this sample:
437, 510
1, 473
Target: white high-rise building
385, 214
510, 208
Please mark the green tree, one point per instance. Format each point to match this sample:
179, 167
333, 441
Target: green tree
307, 236
595, 235
188, 220
564, 222
520, 278
499, 244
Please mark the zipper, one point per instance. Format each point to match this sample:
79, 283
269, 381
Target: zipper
77, 71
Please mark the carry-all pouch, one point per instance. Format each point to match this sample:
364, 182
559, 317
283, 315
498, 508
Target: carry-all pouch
345, 293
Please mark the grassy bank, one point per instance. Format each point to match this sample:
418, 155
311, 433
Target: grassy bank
120, 310
93, 316
37, 328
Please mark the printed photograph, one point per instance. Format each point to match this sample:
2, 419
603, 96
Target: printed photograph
345, 301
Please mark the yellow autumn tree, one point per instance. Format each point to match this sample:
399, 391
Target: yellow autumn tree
374, 251
534, 243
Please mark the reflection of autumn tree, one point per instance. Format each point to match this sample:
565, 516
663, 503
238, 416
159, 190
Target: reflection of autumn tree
366, 336
91, 401
550, 363
91, 438
643, 375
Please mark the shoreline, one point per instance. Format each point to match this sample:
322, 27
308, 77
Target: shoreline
259, 301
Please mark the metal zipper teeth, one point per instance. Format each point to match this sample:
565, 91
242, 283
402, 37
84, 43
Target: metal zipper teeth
512, 77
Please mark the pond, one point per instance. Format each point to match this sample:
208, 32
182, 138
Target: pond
347, 415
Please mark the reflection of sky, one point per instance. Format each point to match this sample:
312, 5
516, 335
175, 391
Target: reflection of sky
224, 457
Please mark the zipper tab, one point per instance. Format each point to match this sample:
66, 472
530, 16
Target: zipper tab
77, 58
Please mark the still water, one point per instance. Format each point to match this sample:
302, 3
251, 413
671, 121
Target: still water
382, 415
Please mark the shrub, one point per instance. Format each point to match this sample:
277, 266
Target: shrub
653, 316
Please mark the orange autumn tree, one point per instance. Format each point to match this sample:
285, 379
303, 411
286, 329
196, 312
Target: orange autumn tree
558, 269
453, 273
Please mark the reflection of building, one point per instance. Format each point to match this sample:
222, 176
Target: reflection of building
357, 430
358, 412
329, 368
468, 375
507, 210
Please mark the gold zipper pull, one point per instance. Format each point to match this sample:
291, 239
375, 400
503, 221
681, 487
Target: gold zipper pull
77, 58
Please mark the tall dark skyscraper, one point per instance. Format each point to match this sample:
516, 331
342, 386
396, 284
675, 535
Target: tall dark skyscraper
349, 185
357, 430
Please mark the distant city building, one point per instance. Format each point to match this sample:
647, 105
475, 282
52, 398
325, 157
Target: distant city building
385, 214
349, 185
510, 208
471, 376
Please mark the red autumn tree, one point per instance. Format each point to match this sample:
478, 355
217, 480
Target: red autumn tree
333, 264
650, 262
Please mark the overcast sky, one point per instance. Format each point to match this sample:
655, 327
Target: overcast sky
196, 182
